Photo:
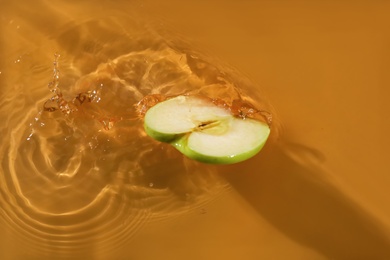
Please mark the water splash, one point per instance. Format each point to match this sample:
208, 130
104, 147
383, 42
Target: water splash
88, 176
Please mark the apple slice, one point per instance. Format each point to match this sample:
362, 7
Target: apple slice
205, 132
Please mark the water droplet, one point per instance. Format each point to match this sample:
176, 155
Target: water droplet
30, 135
151, 184
107, 123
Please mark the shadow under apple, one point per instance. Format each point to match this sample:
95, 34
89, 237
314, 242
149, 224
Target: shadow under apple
288, 187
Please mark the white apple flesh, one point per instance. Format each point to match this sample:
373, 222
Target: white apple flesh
205, 132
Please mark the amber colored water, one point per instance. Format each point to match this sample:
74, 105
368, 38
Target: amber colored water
81, 180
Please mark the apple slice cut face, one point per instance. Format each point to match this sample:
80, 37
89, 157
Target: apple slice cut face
243, 139
205, 132
177, 116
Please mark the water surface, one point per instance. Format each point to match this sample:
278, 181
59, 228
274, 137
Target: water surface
85, 182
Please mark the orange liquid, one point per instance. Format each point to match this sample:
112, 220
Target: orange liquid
81, 180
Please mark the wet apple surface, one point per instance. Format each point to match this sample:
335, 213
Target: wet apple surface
203, 131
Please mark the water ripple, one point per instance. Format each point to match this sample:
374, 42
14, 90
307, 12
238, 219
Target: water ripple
78, 171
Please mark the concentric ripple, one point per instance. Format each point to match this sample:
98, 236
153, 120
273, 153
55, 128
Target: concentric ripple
78, 171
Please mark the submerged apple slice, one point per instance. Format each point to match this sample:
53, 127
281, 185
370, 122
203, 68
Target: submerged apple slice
205, 132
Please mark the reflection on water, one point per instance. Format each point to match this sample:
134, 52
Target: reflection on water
81, 180
79, 173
